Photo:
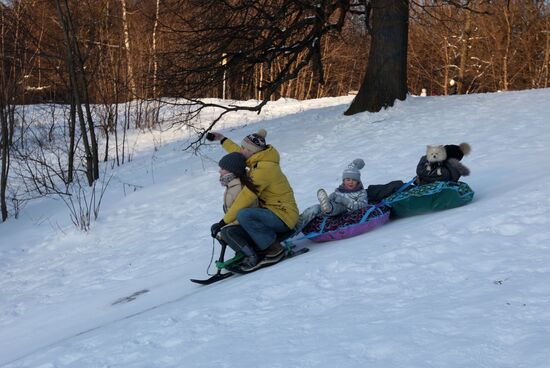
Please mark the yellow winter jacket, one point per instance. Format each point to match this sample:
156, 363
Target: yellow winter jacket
274, 191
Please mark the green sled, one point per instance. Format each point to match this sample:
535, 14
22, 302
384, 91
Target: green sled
437, 196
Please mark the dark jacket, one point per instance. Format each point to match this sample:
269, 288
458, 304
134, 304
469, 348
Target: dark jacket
425, 176
378, 192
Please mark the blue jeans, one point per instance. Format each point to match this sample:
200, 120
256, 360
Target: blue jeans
262, 225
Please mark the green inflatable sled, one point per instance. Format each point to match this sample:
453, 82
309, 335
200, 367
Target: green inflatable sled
440, 195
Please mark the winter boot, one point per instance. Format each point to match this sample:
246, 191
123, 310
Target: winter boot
275, 252
249, 264
322, 196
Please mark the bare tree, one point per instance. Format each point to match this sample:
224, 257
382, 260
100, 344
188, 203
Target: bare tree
4, 125
5, 153
11, 77
128, 48
154, 48
79, 89
544, 75
216, 40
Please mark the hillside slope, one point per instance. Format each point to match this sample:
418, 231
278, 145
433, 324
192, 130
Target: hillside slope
463, 287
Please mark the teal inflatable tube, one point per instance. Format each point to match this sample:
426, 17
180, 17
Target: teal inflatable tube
437, 196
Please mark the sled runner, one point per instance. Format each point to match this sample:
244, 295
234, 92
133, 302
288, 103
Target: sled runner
289, 253
231, 264
218, 276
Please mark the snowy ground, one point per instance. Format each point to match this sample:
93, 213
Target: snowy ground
467, 287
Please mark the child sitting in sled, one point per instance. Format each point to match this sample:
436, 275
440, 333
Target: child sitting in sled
349, 196
234, 177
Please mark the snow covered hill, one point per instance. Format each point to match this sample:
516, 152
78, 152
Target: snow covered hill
467, 287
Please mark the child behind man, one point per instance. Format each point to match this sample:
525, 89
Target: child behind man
349, 196
234, 177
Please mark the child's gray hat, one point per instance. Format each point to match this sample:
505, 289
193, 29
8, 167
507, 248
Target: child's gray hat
352, 172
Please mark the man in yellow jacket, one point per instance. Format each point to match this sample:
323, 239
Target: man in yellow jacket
278, 212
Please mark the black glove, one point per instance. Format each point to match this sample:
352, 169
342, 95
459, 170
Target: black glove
215, 228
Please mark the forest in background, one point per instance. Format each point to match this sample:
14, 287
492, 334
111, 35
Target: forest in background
132, 49
101, 67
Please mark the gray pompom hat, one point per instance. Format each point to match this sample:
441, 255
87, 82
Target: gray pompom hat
352, 172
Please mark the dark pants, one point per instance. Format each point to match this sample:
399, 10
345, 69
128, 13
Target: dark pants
238, 240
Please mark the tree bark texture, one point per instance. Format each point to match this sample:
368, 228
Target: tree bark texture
5, 161
386, 76
464, 53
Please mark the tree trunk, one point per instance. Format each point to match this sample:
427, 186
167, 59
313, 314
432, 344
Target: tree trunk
91, 125
75, 86
155, 59
259, 82
386, 76
446, 67
72, 133
133, 91
464, 53
5, 161
546, 60
82, 86
505, 58
3, 126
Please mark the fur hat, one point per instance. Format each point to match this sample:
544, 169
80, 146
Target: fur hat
352, 172
255, 142
234, 162
458, 152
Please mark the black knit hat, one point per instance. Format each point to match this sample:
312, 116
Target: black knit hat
234, 162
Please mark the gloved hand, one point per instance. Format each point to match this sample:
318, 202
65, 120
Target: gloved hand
215, 228
215, 136
344, 201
